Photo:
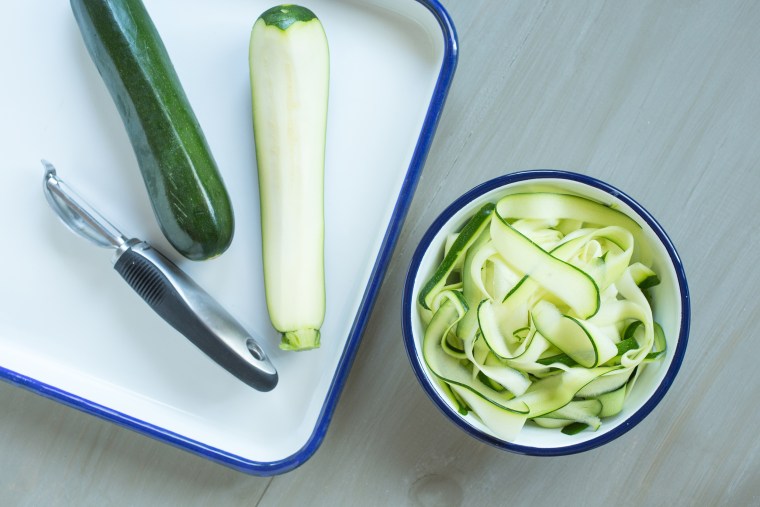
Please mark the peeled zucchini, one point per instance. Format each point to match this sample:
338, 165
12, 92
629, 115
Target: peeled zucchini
289, 67
186, 191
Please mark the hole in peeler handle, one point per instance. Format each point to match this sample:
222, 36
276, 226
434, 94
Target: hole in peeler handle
255, 349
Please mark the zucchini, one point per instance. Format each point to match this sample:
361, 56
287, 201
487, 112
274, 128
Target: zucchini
186, 191
551, 205
584, 411
580, 340
569, 283
455, 255
493, 406
289, 69
550, 312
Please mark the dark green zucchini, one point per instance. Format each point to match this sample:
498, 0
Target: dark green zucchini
183, 182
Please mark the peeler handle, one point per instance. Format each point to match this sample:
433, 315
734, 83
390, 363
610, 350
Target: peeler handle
194, 313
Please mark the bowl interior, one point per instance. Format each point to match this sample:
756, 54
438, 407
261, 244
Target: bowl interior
670, 307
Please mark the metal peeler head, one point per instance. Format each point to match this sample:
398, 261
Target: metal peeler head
76, 214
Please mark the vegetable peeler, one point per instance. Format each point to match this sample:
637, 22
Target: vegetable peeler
168, 290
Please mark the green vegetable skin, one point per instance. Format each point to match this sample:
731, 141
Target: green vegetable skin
289, 66
186, 191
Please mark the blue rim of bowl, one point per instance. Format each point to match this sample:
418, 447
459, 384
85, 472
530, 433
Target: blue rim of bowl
409, 299
286, 464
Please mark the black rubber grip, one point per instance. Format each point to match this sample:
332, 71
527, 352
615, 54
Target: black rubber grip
144, 277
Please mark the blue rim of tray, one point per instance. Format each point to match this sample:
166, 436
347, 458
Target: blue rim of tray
264, 468
537, 175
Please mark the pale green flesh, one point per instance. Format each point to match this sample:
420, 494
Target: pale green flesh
572, 285
535, 287
289, 72
450, 369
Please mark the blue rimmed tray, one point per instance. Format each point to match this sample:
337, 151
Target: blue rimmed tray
72, 331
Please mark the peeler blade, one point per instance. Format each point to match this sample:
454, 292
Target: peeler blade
76, 214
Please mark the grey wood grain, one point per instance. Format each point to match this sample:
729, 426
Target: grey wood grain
659, 98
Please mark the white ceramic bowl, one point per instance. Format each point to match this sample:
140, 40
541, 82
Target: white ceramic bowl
670, 305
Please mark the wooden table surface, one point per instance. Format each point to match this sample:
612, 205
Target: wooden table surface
660, 98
